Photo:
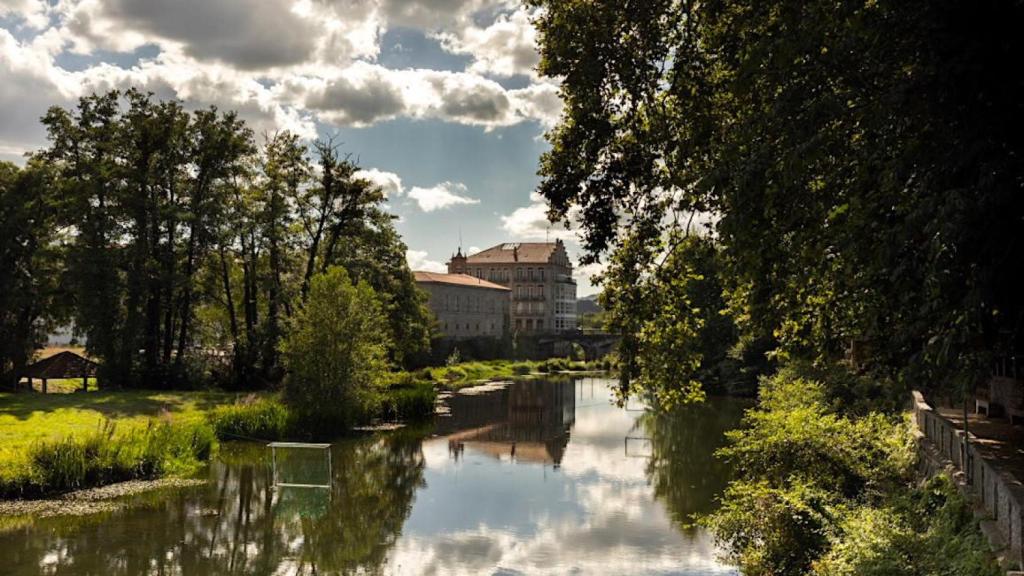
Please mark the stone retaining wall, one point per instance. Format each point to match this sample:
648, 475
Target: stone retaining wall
1001, 494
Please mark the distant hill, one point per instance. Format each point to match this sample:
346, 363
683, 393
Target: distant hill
588, 305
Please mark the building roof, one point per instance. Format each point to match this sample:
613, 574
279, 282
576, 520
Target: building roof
509, 252
62, 365
458, 280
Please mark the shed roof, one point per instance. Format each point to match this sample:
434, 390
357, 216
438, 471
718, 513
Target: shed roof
458, 280
64, 364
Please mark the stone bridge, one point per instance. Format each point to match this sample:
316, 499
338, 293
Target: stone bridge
594, 344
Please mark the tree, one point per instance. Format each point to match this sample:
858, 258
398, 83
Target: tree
676, 336
335, 353
142, 185
862, 162
30, 256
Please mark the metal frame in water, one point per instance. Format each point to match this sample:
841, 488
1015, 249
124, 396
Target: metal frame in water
311, 445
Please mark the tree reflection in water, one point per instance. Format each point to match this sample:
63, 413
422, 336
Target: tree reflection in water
237, 525
683, 469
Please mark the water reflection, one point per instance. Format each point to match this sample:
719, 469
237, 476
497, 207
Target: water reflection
540, 477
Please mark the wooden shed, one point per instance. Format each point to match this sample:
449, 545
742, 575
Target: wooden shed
63, 365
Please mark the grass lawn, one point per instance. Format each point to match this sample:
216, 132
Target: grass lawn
26, 417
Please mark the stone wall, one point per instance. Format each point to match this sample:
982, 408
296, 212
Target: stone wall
999, 492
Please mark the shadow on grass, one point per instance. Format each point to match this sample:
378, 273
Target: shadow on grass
111, 403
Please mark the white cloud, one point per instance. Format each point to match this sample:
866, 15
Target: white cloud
365, 93
584, 277
418, 260
531, 223
440, 196
429, 14
245, 34
33, 12
389, 182
506, 47
282, 64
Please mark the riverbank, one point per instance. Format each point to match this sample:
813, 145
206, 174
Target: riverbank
472, 373
91, 500
54, 443
827, 484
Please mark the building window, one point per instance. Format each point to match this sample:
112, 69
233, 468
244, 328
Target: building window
540, 324
519, 273
541, 272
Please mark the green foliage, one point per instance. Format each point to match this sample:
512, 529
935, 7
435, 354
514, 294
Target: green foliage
453, 358
676, 336
929, 531
102, 457
772, 531
336, 354
31, 263
858, 192
184, 246
824, 490
259, 419
408, 399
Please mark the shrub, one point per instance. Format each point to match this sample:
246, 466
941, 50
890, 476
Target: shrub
930, 531
824, 489
336, 354
521, 369
793, 433
263, 419
770, 531
409, 401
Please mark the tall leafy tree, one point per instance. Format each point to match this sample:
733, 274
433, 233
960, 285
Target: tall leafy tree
31, 258
862, 160
142, 185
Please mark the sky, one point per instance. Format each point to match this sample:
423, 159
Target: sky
438, 100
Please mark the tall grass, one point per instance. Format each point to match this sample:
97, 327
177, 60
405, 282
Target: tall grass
263, 419
408, 399
102, 457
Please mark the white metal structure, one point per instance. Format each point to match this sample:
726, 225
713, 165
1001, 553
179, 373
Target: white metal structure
299, 445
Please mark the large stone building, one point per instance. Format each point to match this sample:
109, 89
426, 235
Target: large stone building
540, 277
466, 307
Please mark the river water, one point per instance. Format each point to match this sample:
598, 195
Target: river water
536, 477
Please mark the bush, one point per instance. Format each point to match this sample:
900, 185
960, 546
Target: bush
408, 401
929, 531
824, 488
336, 354
794, 433
103, 458
263, 419
772, 531
521, 369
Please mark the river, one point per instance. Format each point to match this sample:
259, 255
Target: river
536, 477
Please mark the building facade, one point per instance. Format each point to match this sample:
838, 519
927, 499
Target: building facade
466, 307
539, 275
